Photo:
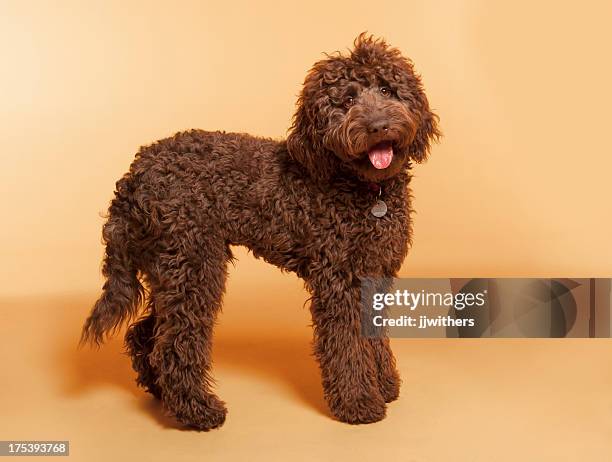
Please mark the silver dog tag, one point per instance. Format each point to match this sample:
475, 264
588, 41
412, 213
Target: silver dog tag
380, 209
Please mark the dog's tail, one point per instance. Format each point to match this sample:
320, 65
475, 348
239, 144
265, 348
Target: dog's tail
122, 292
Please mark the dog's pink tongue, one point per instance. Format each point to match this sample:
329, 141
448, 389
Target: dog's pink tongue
381, 155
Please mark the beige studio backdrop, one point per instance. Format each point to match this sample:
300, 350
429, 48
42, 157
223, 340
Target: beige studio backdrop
518, 186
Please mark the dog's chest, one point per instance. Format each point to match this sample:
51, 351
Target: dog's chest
351, 234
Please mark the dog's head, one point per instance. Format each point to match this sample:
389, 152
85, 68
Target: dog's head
365, 114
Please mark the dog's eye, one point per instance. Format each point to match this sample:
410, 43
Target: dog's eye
385, 91
349, 101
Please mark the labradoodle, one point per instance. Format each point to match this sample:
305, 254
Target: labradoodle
330, 203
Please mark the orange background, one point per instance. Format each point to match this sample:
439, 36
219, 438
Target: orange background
519, 186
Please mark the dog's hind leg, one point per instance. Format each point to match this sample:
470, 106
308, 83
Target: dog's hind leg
139, 344
187, 294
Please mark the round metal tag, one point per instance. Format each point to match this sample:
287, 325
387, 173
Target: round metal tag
380, 209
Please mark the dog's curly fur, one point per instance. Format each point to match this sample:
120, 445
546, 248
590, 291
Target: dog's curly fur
302, 204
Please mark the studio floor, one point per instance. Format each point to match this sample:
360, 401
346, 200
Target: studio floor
466, 400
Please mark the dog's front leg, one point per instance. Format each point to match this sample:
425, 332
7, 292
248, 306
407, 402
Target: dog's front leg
388, 377
346, 358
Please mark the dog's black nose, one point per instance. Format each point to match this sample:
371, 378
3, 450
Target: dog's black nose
378, 126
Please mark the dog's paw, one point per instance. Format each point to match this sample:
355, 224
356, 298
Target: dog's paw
200, 413
390, 386
365, 409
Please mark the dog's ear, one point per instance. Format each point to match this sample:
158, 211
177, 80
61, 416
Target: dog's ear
410, 90
304, 141
427, 132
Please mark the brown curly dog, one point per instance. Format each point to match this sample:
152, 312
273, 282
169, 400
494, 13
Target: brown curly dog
313, 204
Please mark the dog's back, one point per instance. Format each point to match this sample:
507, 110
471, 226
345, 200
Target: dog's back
198, 179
